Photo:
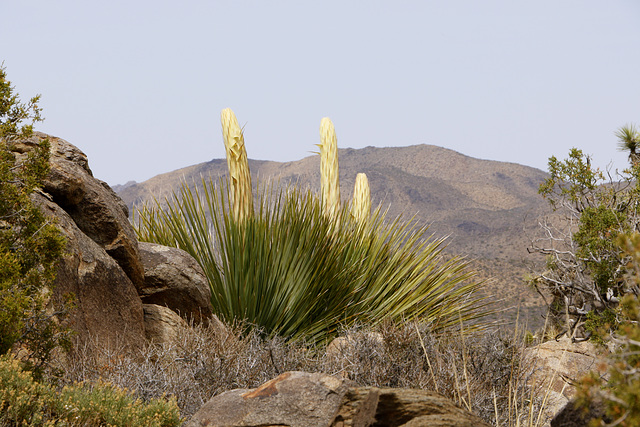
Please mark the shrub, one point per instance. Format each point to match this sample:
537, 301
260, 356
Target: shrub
620, 392
26, 402
30, 245
585, 268
484, 372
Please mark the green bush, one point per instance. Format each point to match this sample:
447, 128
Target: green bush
585, 269
30, 244
24, 401
601, 324
621, 392
302, 266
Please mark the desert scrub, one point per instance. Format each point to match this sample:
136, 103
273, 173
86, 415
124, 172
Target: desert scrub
621, 391
204, 361
586, 269
484, 372
302, 266
600, 325
24, 401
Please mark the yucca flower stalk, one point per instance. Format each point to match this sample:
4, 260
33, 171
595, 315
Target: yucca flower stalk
361, 204
240, 194
330, 180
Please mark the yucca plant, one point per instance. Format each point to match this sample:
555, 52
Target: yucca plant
291, 270
301, 266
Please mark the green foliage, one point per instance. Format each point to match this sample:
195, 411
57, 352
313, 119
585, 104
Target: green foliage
24, 401
291, 270
598, 229
621, 392
629, 140
573, 179
585, 269
13, 113
30, 245
600, 324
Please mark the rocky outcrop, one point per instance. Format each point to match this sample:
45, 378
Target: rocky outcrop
573, 415
94, 207
161, 323
172, 278
559, 364
102, 268
307, 400
106, 302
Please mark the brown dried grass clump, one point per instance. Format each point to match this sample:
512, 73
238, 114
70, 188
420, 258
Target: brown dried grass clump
482, 372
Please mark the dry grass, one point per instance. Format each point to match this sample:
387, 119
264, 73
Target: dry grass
482, 372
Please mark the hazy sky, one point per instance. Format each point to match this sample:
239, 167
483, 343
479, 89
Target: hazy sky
139, 85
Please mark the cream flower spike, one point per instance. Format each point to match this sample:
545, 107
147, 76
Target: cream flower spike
239, 175
361, 205
330, 184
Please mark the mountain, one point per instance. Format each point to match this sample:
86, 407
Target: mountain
488, 209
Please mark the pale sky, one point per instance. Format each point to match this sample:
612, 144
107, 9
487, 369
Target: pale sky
139, 85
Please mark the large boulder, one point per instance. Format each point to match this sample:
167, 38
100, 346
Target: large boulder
572, 415
161, 323
559, 364
101, 266
107, 305
308, 400
174, 279
95, 208
395, 407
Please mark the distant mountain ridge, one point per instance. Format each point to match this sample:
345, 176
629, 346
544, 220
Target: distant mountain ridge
488, 208
459, 195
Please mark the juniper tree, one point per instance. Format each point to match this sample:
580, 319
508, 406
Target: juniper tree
585, 269
30, 244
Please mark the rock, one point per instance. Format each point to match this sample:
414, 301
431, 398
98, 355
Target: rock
559, 364
342, 346
573, 416
292, 399
93, 205
107, 304
161, 323
307, 400
411, 407
174, 279
102, 266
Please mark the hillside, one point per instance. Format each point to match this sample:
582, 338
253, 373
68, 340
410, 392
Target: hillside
489, 209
